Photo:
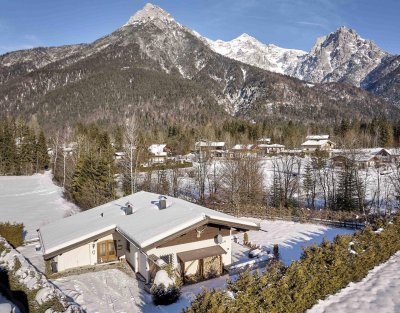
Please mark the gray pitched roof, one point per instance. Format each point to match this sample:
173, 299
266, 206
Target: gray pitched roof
145, 226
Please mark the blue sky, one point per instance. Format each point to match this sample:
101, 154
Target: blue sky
286, 23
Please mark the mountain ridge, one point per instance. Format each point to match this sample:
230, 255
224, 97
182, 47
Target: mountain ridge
162, 71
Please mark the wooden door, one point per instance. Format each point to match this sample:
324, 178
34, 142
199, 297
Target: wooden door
106, 251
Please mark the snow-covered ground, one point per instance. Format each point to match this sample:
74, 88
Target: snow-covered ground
114, 291
378, 182
291, 237
33, 256
33, 200
378, 292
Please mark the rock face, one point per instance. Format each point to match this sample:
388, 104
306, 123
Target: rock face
384, 80
165, 72
342, 56
249, 50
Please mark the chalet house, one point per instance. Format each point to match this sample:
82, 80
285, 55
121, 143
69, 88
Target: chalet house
360, 160
317, 142
158, 153
212, 149
265, 149
363, 158
149, 231
244, 151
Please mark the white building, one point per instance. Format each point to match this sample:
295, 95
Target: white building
317, 142
265, 149
147, 230
158, 152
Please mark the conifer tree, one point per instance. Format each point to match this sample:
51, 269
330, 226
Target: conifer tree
42, 155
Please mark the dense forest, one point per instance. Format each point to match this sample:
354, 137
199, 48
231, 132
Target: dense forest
23, 148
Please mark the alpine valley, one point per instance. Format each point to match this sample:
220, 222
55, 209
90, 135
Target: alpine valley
164, 72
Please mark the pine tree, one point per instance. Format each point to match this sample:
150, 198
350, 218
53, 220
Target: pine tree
309, 186
42, 153
8, 150
27, 150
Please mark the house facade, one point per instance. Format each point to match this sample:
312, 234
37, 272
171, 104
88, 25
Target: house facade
158, 153
212, 149
150, 232
244, 151
317, 142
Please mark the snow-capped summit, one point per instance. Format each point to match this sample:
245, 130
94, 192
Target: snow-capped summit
248, 49
149, 12
341, 56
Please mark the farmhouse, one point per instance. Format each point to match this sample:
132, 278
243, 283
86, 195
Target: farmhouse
158, 153
149, 231
212, 149
317, 142
265, 149
244, 151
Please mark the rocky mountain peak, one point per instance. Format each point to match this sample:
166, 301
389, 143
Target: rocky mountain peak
341, 56
149, 12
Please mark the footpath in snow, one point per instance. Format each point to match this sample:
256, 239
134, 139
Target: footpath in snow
33, 200
379, 292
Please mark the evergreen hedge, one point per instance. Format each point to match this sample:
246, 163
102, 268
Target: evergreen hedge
321, 271
13, 233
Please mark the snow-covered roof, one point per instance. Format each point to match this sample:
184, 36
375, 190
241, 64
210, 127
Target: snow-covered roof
145, 226
274, 145
317, 137
210, 144
158, 149
242, 147
316, 143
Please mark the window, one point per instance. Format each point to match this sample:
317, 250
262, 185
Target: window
111, 248
167, 258
128, 246
102, 249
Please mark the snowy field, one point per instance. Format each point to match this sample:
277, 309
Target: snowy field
291, 237
378, 292
33, 200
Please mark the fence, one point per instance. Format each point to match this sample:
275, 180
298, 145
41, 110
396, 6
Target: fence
353, 224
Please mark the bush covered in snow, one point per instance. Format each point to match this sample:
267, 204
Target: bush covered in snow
164, 290
165, 295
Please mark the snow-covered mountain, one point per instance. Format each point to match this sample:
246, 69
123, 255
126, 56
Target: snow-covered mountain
249, 50
341, 56
165, 72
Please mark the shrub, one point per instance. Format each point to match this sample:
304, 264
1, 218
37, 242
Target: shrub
13, 233
245, 238
165, 295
